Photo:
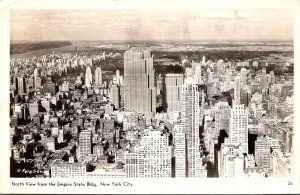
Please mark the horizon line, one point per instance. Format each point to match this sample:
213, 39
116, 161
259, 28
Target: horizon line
164, 40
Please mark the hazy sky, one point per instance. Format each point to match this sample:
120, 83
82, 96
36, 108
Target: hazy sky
145, 24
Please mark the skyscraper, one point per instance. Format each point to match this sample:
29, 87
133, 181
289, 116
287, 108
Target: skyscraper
191, 119
85, 144
139, 92
262, 152
37, 82
227, 80
49, 86
88, 77
271, 77
203, 60
115, 95
264, 79
222, 116
173, 84
152, 157
98, 76
21, 85
238, 127
197, 72
35, 72
33, 109
244, 76
179, 151
237, 90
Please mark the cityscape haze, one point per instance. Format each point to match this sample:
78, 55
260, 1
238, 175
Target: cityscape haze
152, 93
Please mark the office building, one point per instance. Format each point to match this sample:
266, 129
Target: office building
243, 78
173, 83
262, 152
152, 158
88, 77
237, 90
37, 82
264, 79
191, 120
61, 169
222, 116
139, 92
21, 86
49, 86
115, 96
132, 164
180, 151
271, 77
155, 155
85, 144
33, 109
98, 76
238, 127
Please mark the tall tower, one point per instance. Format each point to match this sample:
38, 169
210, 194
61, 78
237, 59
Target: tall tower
203, 60
191, 119
197, 72
173, 84
88, 77
139, 92
21, 85
115, 95
227, 79
98, 76
243, 77
264, 79
85, 144
271, 77
179, 151
238, 127
237, 90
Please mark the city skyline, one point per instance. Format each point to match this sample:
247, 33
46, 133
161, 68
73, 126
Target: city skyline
141, 24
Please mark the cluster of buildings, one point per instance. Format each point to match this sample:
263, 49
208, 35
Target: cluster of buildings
89, 127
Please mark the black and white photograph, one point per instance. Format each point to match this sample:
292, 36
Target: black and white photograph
145, 93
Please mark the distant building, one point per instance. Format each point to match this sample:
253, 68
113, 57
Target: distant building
88, 77
21, 86
264, 79
115, 95
65, 86
98, 76
222, 116
237, 90
243, 77
33, 109
49, 86
37, 82
271, 77
173, 83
